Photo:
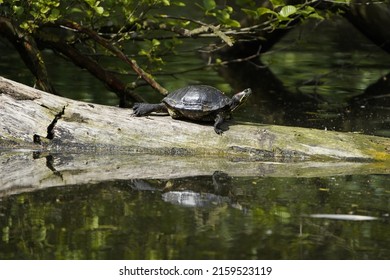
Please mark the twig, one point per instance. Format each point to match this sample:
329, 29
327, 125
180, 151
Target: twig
204, 28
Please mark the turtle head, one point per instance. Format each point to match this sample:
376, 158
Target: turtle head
239, 98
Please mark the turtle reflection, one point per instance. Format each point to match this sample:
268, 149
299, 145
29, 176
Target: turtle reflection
200, 191
216, 190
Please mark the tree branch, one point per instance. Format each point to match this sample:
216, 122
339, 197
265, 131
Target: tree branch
117, 52
83, 61
28, 50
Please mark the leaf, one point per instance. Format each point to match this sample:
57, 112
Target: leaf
277, 3
143, 52
229, 9
18, 10
262, 11
250, 12
287, 11
316, 16
311, 13
99, 10
54, 14
45, 9
223, 15
232, 23
179, 3
155, 43
76, 10
209, 5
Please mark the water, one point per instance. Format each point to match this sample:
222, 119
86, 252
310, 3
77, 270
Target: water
245, 218
51, 210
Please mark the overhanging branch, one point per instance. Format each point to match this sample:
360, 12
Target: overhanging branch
117, 52
28, 50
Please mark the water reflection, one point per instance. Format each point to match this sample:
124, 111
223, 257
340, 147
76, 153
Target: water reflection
137, 219
322, 76
201, 191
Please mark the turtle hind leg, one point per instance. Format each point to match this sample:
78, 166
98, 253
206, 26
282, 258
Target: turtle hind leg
144, 109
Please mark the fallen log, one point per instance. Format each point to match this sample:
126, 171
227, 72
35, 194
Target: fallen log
38, 121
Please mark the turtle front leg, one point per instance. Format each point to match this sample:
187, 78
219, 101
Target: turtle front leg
144, 109
219, 119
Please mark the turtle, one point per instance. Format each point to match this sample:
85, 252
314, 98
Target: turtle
197, 103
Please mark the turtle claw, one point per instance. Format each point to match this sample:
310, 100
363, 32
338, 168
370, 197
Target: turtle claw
136, 110
218, 130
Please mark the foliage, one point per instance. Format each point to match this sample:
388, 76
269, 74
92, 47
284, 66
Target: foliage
149, 29
137, 16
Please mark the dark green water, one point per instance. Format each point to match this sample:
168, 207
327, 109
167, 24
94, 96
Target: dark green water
247, 218
257, 217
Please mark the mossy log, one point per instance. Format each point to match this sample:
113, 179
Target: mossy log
32, 119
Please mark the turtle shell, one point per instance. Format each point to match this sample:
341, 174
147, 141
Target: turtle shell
196, 102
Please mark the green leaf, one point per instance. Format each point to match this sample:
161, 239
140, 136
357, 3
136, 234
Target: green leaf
90, 2
250, 12
143, 52
155, 43
54, 15
316, 16
209, 5
76, 10
24, 25
45, 9
18, 10
277, 3
262, 11
99, 10
179, 3
229, 9
232, 23
223, 15
311, 12
287, 11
